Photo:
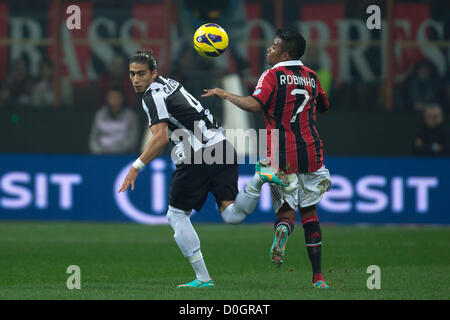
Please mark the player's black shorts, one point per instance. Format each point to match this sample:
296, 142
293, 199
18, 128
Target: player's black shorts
192, 182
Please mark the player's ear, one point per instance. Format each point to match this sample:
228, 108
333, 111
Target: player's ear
154, 74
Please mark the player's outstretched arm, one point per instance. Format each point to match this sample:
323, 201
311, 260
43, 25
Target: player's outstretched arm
245, 103
156, 144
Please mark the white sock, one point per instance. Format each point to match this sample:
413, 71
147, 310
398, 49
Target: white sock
200, 267
255, 184
188, 241
245, 202
233, 215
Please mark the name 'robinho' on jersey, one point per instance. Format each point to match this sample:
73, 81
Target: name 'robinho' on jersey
290, 94
167, 100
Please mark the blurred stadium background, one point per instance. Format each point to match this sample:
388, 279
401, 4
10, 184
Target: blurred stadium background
379, 83
70, 124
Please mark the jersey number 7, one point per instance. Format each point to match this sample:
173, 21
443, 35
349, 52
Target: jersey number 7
299, 108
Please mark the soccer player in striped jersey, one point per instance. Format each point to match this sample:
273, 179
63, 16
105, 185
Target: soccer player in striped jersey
289, 94
205, 160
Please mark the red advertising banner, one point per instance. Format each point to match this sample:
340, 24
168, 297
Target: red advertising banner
76, 57
410, 19
152, 26
346, 47
320, 21
253, 11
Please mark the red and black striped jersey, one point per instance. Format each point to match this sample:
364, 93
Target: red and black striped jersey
290, 94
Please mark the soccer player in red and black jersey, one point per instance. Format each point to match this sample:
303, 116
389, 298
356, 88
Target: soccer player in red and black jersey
289, 95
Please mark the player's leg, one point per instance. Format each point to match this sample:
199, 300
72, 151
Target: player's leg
186, 193
271, 175
235, 211
234, 206
313, 241
283, 202
284, 225
189, 244
315, 184
247, 199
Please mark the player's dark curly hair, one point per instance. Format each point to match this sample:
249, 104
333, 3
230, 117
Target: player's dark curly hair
145, 56
292, 42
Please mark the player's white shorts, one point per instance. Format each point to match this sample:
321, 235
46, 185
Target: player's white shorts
306, 189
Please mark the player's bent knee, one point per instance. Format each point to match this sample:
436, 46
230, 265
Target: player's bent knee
225, 204
231, 215
232, 221
286, 212
174, 215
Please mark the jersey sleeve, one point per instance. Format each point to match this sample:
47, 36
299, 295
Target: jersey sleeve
322, 103
265, 88
155, 106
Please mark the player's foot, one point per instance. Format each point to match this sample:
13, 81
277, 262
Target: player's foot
320, 284
279, 245
197, 284
267, 174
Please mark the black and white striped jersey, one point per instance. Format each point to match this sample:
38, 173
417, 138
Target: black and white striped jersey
167, 100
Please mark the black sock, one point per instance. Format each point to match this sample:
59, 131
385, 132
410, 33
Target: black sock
288, 222
313, 240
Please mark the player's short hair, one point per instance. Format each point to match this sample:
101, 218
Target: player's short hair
145, 56
292, 42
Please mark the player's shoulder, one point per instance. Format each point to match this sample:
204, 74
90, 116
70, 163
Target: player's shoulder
158, 85
154, 87
162, 87
267, 76
265, 73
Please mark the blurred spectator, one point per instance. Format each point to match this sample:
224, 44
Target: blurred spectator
115, 129
434, 138
17, 90
43, 91
422, 87
116, 76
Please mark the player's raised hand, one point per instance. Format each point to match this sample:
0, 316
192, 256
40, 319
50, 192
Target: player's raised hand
129, 180
214, 92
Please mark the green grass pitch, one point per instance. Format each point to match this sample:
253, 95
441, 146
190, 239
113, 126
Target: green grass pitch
131, 261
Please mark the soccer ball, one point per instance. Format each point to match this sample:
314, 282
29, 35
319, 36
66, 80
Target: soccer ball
210, 40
